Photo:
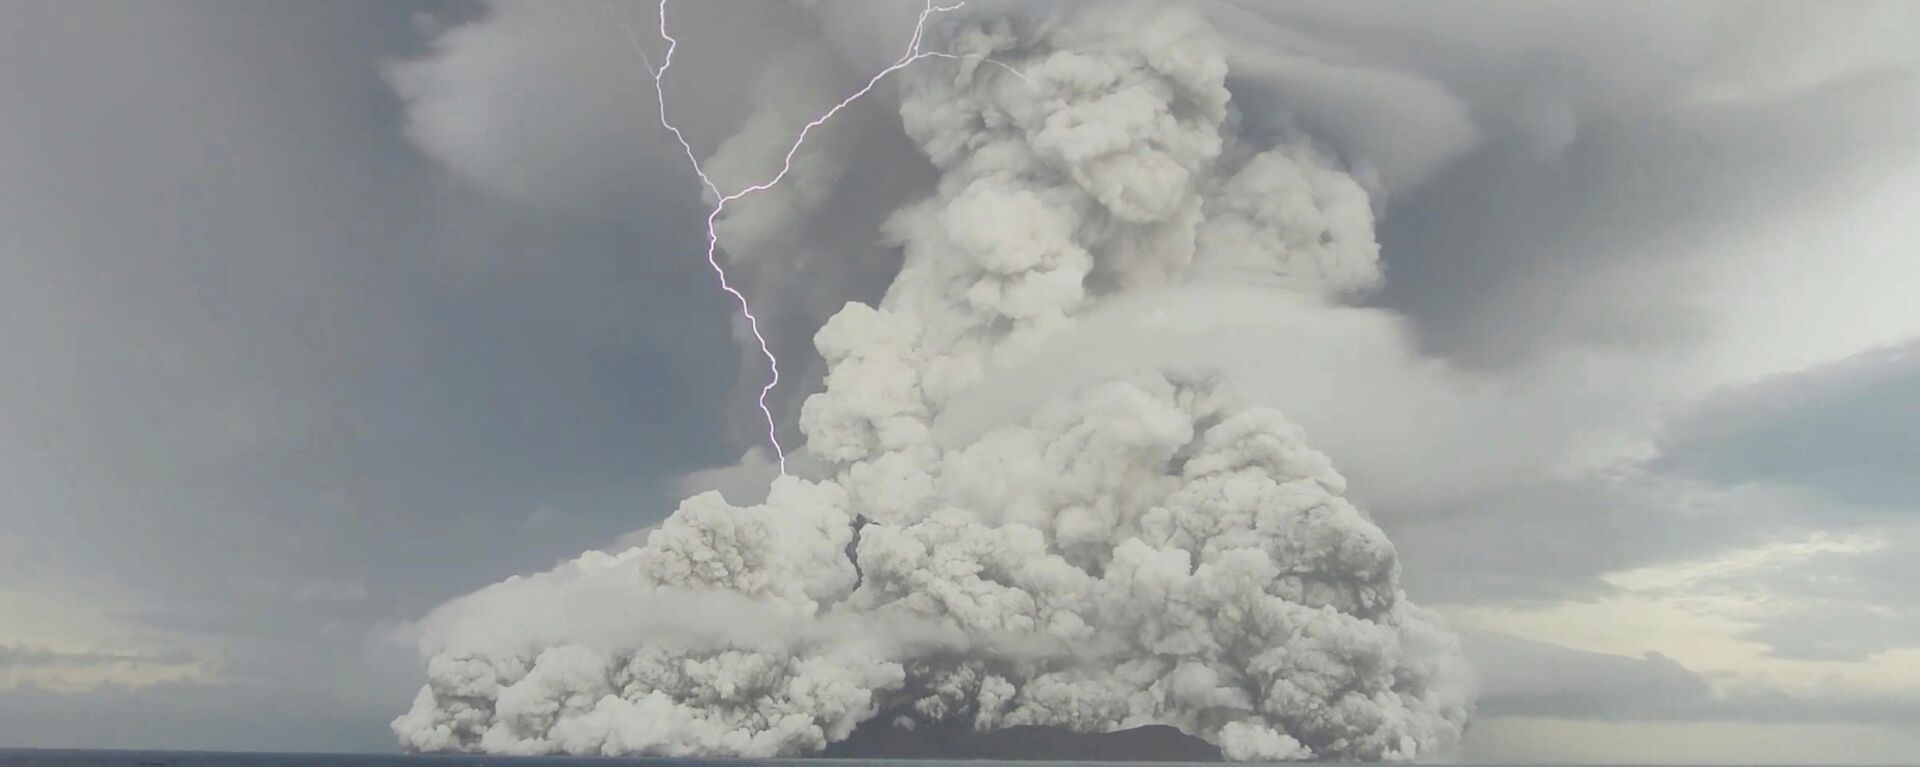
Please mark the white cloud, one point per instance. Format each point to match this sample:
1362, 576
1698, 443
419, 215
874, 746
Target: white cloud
1644, 209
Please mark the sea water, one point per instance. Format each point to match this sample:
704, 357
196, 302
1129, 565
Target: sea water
84, 758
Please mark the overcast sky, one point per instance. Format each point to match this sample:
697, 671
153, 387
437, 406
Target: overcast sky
318, 314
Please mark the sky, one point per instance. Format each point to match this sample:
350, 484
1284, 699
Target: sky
323, 314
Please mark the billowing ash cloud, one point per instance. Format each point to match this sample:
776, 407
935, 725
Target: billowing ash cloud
1142, 549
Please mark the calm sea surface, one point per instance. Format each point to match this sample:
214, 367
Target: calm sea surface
75, 758
83, 758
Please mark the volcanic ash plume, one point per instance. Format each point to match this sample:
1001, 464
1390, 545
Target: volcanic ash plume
1144, 550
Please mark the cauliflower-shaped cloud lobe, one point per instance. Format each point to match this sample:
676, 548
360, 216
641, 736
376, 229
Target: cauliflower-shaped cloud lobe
1163, 557
1142, 550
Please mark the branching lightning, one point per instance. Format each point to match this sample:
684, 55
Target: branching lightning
721, 200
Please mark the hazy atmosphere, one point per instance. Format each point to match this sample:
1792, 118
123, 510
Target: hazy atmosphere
1582, 332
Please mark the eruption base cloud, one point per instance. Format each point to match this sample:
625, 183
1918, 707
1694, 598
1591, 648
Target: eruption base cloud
1161, 556
1143, 548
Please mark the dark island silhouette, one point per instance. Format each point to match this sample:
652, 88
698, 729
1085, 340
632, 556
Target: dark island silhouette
1151, 743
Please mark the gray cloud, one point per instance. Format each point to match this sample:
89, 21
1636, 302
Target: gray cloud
548, 103
1553, 540
1842, 606
1525, 678
24, 656
1605, 147
1841, 631
190, 716
1510, 253
277, 329
212, 359
1560, 224
1849, 430
1824, 448
260, 350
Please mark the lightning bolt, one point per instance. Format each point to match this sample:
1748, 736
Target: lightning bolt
721, 199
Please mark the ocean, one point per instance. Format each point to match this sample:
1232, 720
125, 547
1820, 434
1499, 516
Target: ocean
86, 758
